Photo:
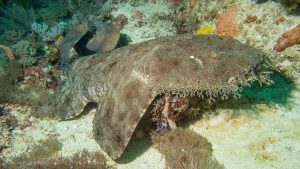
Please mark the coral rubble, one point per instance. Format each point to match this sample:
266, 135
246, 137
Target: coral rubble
184, 149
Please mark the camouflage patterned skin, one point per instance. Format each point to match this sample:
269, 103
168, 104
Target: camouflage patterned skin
125, 81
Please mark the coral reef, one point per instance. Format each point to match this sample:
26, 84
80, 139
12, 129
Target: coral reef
225, 24
25, 52
34, 75
24, 86
16, 17
7, 124
12, 36
184, 149
153, 22
52, 52
192, 14
15, 23
24, 49
288, 39
265, 31
37, 74
86, 9
48, 33
52, 11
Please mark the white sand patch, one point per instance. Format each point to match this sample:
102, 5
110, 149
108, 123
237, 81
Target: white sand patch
269, 139
77, 135
151, 159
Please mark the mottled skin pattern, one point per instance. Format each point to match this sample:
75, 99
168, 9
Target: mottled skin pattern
125, 81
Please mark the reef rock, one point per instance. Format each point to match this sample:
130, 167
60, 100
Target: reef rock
125, 81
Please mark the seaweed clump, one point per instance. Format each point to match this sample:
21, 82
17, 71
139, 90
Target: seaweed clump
82, 160
184, 149
9, 72
45, 155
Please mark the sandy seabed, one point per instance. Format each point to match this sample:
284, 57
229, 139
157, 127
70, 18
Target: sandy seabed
260, 135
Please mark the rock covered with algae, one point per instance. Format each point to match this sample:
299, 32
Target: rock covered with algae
125, 82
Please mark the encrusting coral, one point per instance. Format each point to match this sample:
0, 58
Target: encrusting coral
288, 39
207, 67
225, 25
184, 149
